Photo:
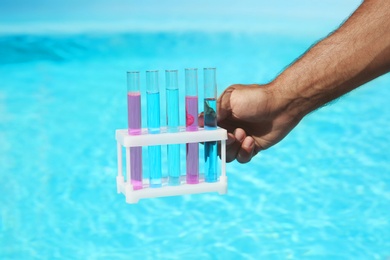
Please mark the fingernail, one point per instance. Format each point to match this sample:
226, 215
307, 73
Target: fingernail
248, 143
239, 137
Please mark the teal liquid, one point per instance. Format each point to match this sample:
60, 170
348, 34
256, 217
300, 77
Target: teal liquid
210, 113
210, 158
172, 127
172, 110
154, 152
210, 148
153, 105
173, 164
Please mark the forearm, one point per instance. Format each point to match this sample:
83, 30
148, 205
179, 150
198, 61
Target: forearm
356, 53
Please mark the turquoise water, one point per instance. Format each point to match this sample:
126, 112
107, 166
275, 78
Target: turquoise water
322, 193
210, 148
154, 151
172, 109
173, 150
153, 108
211, 161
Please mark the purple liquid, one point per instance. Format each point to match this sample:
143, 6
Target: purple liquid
191, 113
134, 113
192, 163
134, 121
192, 151
136, 167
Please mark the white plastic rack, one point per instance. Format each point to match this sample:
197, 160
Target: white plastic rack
181, 137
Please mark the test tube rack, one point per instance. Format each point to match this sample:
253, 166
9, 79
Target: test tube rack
181, 137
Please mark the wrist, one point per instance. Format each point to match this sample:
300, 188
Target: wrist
286, 100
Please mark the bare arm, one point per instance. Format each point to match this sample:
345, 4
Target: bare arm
356, 53
259, 116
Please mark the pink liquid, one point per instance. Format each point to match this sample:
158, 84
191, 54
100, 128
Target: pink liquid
192, 151
134, 128
134, 113
191, 113
192, 156
137, 185
136, 167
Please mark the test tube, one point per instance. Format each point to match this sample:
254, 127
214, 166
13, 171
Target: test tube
172, 103
153, 111
192, 149
210, 123
134, 126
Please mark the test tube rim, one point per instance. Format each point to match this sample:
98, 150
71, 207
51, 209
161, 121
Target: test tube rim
171, 70
133, 72
149, 71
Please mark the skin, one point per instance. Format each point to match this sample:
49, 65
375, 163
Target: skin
259, 116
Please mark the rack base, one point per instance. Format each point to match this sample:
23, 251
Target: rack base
133, 196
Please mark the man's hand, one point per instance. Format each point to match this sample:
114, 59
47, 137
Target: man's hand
255, 119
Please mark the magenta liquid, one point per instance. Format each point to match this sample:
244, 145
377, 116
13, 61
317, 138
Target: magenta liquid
136, 167
192, 156
134, 128
192, 149
134, 113
191, 113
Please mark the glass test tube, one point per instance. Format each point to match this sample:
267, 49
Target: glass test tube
134, 126
172, 97
192, 149
210, 123
153, 111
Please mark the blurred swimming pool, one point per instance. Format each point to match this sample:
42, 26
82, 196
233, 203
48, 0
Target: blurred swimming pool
322, 193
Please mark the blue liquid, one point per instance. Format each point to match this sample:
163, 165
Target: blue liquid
210, 158
153, 105
174, 164
173, 126
154, 152
210, 113
172, 110
210, 148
